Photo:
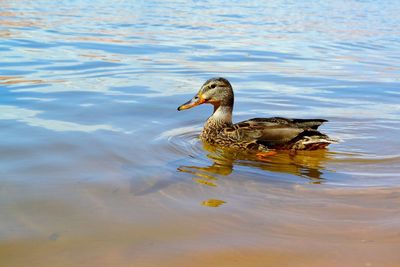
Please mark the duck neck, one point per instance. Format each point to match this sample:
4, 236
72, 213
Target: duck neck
222, 115
221, 118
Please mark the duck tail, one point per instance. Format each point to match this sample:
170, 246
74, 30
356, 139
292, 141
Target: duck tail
312, 140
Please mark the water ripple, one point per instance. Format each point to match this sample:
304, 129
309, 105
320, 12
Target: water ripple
183, 141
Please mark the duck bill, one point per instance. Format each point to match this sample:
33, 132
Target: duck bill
195, 101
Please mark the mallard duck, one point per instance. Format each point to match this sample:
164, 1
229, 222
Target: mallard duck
259, 134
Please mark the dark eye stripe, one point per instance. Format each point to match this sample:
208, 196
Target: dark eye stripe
213, 86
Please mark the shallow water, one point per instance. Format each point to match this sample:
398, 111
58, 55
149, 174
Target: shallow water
99, 169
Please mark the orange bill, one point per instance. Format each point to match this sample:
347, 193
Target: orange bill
195, 101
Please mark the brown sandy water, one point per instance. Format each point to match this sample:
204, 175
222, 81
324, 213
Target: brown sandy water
97, 168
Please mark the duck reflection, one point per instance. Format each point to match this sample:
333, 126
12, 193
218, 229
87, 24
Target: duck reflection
307, 164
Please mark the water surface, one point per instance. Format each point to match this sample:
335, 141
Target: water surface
97, 168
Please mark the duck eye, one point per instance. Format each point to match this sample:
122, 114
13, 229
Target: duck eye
213, 86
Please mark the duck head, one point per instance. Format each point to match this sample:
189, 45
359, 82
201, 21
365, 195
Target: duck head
215, 91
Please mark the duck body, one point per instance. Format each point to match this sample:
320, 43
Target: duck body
259, 134
267, 133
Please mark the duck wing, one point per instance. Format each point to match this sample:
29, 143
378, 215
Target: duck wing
296, 123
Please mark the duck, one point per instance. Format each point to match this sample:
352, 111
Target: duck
263, 135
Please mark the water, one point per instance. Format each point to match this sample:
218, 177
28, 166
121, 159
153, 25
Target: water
99, 169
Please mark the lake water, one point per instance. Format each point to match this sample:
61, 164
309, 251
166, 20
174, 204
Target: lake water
97, 168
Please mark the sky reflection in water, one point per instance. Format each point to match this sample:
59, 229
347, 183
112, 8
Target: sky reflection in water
93, 148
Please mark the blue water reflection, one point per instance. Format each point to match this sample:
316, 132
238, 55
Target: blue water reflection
88, 97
